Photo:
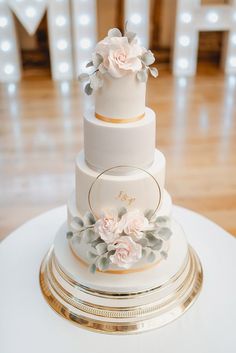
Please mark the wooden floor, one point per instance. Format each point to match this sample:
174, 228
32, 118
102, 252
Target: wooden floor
41, 132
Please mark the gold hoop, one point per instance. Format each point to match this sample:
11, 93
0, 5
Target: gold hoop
124, 166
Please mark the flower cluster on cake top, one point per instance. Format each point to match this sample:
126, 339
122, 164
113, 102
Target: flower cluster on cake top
121, 238
117, 56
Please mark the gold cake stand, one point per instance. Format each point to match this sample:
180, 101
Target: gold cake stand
120, 313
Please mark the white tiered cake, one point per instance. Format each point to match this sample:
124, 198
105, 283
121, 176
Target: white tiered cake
125, 265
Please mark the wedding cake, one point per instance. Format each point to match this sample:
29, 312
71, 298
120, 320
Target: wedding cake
120, 263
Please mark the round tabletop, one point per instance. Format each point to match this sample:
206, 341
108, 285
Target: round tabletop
28, 324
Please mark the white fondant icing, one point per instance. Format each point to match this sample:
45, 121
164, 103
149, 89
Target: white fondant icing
164, 210
108, 144
138, 281
122, 97
138, 185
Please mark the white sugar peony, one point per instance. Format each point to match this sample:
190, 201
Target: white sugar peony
119, 56
133, 223
106, 227
127, 252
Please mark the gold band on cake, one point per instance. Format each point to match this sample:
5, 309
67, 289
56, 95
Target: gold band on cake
119, 120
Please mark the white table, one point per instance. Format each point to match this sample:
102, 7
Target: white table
29, 325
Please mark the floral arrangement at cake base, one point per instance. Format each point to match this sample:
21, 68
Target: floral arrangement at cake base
122, 237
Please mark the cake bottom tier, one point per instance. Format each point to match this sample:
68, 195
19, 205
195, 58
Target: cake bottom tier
121, 303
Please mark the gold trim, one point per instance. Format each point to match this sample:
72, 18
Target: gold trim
154, 312
119, 120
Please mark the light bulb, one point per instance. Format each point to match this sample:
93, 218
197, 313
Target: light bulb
62, 44
30, 12
184, 41
84, 20
3, 22
233, 38
64, 67
186, 17
183, 63
212, 17
136, 18
9, 69
85, 43
232, 61
5, 45
60, 21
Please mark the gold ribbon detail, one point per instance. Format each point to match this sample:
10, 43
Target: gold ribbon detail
119, 120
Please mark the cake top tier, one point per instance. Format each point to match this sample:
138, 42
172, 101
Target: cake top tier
117, 74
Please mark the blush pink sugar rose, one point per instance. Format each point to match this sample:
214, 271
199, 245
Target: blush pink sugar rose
127, 252
133, 223
119, 56
107, 227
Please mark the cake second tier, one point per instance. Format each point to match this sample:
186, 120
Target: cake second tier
107, 144
132, 187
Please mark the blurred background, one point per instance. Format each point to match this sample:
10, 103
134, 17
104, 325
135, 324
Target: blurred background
43, 47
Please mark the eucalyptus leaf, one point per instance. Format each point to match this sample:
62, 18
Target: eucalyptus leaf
114, 32
78, 221
101, 248
148, 214
89, 64
96, 81
88, 89
143, 242
158, 244
94, 243
97, 59
130, 36
151, 257
144, 252
89, 218
153, 71
148, 58
89, 235
69, 235
142, 75
162, 220
111, 247
102, 69
92, 268
91, 255
103, 263
83, 77
165, 233
121, 211
164, 254
111, 252
151, 239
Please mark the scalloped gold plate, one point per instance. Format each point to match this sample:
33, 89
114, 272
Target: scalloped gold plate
149, 310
